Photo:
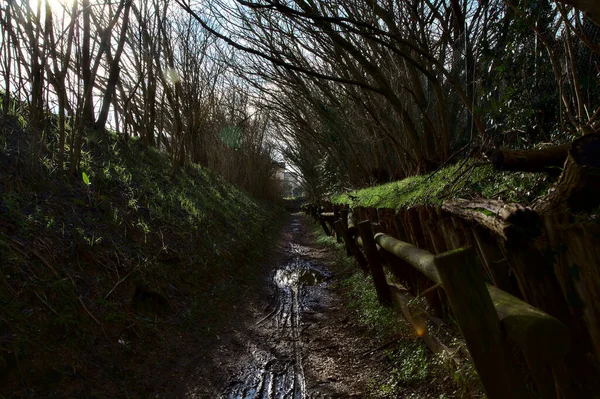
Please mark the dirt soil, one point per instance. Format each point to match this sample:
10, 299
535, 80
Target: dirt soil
295, 337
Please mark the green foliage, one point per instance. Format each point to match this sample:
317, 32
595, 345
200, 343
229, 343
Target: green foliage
411, 361
189, 234
363, 298
85, 178
469, 180
326, 241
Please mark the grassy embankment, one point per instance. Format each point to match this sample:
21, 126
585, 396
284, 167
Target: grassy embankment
108, 276
463, 180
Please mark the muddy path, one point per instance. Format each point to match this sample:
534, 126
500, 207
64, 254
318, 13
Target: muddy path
294, 336
277, 370
298, 340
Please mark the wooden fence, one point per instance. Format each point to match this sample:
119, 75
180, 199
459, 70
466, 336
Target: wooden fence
480, 261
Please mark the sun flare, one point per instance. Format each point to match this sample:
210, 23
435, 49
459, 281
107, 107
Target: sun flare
55, 5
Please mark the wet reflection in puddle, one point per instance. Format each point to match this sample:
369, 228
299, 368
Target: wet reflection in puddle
297, 277
297, 249
295, 227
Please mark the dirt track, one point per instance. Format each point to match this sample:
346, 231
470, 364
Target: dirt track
295, 337
301, 345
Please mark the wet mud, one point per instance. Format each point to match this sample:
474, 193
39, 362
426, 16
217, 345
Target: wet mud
277, 367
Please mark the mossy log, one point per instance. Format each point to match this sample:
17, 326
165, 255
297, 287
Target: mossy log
418, 258
528, 327
506, 220
549, 159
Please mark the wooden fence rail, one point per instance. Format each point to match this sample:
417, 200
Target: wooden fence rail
486, 314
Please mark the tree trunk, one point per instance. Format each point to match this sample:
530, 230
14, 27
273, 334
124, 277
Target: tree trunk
506, 220
113, 75
548, 159
86, 116
7, 64
578, 187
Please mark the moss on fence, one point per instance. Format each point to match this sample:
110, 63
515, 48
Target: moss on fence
465, 180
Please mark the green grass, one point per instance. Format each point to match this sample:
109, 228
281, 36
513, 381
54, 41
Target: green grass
455, 181
410, 362
362, 296
190, 236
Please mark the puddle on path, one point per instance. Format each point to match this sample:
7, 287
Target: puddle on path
295, 226
276, 371
298, 277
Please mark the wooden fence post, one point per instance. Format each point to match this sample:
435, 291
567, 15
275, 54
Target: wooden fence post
351, 247
350, 224
478, 321
344, 216
324, 225
341, 233
381, 286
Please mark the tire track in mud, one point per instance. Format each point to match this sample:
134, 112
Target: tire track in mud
276, 371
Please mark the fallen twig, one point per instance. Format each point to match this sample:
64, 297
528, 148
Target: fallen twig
428, 290
380, 347
92, 316
46, 303
119, 282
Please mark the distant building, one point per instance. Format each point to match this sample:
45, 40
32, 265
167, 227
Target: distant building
289, 181
280, 171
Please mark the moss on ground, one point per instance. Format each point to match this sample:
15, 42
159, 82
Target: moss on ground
465, 180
